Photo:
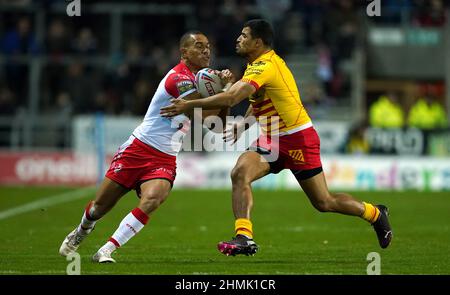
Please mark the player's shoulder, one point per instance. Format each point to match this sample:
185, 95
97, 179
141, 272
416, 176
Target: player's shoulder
180, 74
262, 66
267, 59
175, 77
178, 83
265, 62
181, 70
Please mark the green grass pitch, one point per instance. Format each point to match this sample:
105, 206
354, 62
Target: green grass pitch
182, 235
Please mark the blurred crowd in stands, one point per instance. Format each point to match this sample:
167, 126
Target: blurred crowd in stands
390, 111
80, 74
426, 112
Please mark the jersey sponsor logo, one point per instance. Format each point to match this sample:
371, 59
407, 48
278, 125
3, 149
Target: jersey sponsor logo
258, 63
184, 86
253, 71
297, 155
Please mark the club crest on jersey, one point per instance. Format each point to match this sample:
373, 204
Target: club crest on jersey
184, 86
297, 155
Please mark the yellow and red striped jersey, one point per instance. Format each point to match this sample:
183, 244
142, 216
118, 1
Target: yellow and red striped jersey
277, 97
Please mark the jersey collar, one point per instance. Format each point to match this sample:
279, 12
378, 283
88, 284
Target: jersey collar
266, 55
183, 68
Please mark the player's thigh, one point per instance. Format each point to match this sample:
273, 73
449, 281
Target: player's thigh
315, 188
109, 193
155, 190
249, 167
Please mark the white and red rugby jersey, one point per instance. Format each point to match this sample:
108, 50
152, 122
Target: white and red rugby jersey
166, 134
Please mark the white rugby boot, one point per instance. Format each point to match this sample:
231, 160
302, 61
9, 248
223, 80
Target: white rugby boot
71, 242
103, 256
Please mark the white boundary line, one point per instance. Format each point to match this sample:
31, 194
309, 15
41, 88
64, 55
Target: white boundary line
48, 202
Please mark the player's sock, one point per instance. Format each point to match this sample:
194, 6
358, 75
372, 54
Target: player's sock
128, 228
111, 245
371, 213
87, 221
243, 226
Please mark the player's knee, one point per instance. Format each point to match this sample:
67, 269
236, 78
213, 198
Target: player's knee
323, 205
239, 174
151, 200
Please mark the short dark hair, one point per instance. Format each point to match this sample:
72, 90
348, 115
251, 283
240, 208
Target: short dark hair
184, 40
261, 29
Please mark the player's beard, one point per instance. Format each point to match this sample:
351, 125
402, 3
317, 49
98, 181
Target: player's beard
241, 53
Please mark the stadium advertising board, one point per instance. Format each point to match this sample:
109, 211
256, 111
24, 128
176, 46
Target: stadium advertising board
396, 141
342, 172
47, 168
212, 170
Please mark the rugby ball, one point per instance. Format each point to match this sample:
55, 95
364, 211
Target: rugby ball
208, 82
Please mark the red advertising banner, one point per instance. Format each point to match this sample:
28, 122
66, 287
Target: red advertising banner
47, 168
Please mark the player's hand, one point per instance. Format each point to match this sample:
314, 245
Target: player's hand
226, 76
233, 132
178, 106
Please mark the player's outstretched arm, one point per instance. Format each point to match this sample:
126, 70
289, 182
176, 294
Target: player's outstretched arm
238, 92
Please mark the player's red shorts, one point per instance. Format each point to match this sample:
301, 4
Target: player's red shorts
136, 162
299, 151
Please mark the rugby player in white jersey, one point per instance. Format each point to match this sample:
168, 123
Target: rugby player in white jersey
146, 162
